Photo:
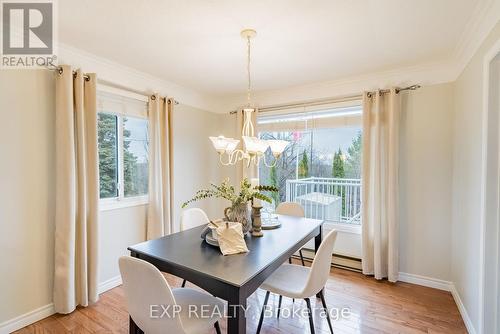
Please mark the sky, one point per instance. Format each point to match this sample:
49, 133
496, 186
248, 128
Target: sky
327, 141
138, 136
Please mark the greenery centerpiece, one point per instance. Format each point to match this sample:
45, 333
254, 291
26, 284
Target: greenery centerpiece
239, 210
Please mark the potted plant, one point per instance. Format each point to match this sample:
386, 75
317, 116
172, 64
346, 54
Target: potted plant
239, 210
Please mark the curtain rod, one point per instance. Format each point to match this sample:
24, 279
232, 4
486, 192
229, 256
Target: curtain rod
328, 100
112, 84
60, 70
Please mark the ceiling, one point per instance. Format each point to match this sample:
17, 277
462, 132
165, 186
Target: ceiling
196, 43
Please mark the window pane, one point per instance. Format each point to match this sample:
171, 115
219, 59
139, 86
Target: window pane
135, 156
321, 166
289, 166
108, 155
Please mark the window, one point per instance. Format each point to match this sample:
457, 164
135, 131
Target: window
107, 134
321, 167
135, 156
123, 148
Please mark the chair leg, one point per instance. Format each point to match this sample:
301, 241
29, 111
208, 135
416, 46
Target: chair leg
217, 327
322, 296
279, 305
290, 260
262, 313
183, 283
311, 322
302, 258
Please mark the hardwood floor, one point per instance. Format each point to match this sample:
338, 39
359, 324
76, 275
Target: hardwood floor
375, 307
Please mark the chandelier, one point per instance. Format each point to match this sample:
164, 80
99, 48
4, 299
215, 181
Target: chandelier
254, 148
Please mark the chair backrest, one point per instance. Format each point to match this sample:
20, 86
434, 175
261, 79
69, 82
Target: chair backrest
192, 218
146, 292
320, 268
290, 209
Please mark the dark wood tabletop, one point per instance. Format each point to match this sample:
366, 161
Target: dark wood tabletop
231, 277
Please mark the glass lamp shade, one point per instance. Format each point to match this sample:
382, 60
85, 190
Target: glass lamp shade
231, 144
277, 146
220, 143
255, 145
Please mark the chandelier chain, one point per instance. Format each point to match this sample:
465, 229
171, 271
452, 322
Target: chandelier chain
249, 86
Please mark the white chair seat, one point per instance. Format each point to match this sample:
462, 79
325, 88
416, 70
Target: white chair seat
187, 298
146, 289
288, 280
302, 282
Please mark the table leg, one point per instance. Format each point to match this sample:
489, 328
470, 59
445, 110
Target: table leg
317, 243
236, 321
133, 328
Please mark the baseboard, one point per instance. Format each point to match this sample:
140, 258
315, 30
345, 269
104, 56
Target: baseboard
426, 281
463, 310
441, 285
339, 260
26, 319
109, 284
48, 310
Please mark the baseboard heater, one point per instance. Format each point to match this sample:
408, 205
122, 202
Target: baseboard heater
338, 260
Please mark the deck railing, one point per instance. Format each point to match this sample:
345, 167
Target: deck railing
335, 200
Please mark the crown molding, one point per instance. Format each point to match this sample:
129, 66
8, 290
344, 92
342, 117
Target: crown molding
122, 75
484, 18
426, 74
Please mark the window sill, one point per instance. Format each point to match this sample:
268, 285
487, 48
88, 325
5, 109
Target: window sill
114, 203
346, 228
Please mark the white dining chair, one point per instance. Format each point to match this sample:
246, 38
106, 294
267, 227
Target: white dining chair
191, 218
291, 209
300, 282
145, 287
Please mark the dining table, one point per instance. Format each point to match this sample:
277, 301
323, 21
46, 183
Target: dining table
232, 277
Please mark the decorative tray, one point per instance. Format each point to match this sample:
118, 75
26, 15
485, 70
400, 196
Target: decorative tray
211, 240
270, 223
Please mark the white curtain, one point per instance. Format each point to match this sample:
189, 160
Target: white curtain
242, 171
77, 187
159, 221
381, 113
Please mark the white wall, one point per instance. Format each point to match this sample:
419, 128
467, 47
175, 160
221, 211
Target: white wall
468, 95
425, 181
26, 191
118, 229
196, 164
27, 181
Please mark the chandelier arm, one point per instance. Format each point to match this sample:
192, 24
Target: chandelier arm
236, 156
271, 165
228, 163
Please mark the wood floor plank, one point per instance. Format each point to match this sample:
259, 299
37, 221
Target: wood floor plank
375, 307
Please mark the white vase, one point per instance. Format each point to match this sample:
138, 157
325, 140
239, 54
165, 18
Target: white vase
240, 213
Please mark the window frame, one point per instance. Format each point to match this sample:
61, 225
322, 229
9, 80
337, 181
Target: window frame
349, 119
120, 201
